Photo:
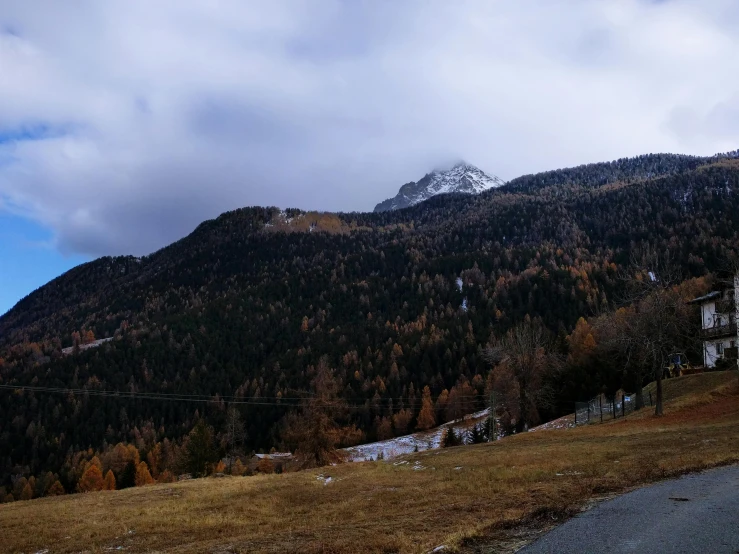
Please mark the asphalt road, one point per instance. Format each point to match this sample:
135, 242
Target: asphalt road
695, 513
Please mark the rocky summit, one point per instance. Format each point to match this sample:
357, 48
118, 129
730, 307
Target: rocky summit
461, 178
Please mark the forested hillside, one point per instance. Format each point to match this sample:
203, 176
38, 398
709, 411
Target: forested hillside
244, 308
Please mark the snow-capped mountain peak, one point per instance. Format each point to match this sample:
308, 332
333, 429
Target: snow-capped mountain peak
460, 178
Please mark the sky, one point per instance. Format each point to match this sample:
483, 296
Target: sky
125, 123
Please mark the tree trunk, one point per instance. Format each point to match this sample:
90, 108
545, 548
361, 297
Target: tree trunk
658, 401
639, 397
522, 416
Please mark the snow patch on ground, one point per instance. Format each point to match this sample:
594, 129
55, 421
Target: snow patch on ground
564, 422
325, 478
417, 442
83, 347
431, 439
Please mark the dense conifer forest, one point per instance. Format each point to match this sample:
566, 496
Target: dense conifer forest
243, 310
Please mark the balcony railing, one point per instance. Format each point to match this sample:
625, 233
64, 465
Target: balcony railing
719, 331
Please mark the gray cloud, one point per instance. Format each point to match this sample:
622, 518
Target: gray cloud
125, 124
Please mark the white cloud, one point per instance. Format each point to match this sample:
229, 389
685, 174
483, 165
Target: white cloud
138, 120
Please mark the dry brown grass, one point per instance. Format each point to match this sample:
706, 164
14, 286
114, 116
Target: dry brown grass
391, 506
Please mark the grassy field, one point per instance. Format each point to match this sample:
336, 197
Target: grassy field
455, 497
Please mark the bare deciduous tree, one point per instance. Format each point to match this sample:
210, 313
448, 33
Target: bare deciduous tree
657, 322
234, 435
522, 360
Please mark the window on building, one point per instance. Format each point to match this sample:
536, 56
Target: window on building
720, 348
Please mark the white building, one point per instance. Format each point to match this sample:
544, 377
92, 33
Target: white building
719, 314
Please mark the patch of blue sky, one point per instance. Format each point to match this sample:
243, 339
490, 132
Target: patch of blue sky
28, 258
32, 131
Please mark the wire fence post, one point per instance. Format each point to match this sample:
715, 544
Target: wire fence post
600, 405
575, 414
650, 398
623, 404
493, 402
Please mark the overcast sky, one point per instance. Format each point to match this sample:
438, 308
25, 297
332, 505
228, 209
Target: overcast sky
125, 123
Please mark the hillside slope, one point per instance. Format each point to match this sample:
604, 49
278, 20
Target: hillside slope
486, 497
244, 308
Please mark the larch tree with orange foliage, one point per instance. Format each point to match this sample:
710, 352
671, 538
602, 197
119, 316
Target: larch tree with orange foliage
461, 401
109, 481
441, 403
143, 477
91, 480
383, 428
427, 416
581, 344
154, 460
27, 493
265, 465
402, 421
320, 428
237, 468
56, 489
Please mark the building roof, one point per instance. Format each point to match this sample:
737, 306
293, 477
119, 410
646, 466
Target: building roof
275, 456
706, 297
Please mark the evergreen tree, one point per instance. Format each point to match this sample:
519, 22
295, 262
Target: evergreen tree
487, 429
476, 435
127, 478
18, 487
200, 450
451, 438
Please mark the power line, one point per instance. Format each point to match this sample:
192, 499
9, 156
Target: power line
464, 400
209, 398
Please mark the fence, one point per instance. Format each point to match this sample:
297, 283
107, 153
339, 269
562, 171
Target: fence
600, 408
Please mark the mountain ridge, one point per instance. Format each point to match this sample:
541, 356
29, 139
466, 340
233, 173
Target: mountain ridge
15, 324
